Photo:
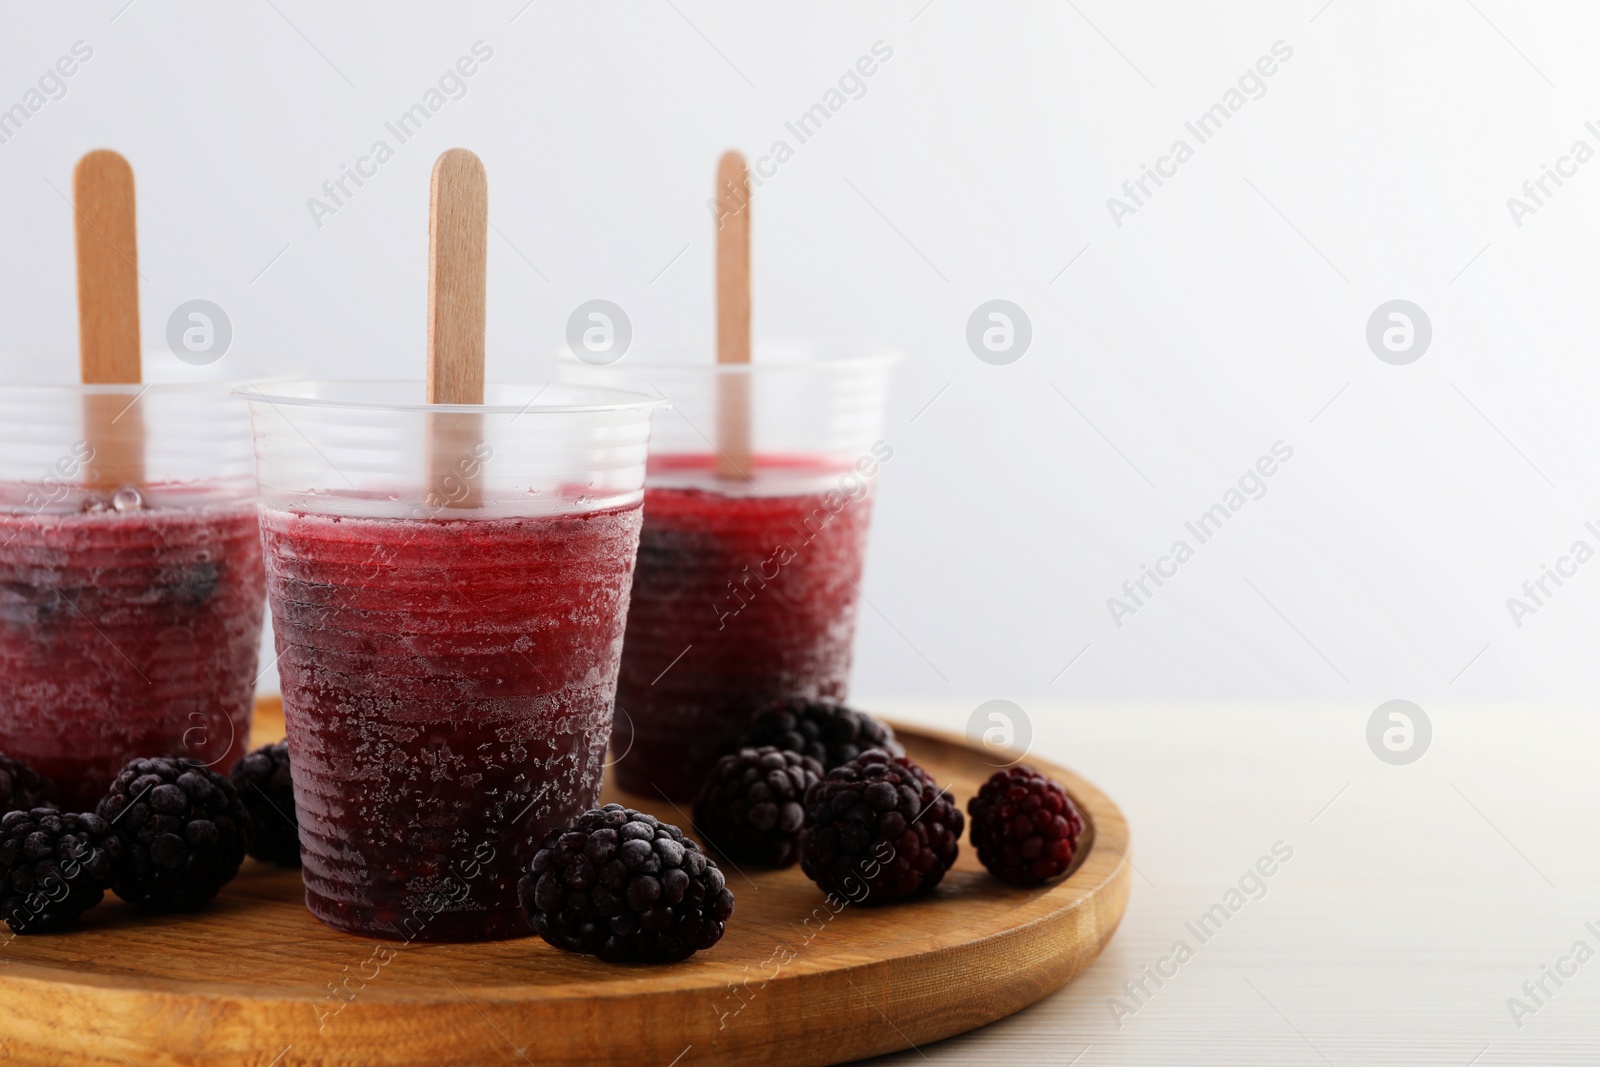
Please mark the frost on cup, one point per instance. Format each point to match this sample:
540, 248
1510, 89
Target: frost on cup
746, 589
449, 634
131, 586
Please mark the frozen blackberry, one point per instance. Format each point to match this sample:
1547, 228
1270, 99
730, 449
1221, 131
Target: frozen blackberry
54, 866
1024, 826
878, 829
621, 885
21, 787
182, 829
267, 793
753, 805
829, 733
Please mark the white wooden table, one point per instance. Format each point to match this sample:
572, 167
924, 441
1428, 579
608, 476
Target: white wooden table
1419, 899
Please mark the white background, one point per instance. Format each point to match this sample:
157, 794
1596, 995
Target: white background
1228, 313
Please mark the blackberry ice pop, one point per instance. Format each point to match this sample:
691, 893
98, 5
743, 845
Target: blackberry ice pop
131, 586
448, 569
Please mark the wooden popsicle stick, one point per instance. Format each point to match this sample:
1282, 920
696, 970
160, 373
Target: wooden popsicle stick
458, 270
458, 261
108, 316
733, 316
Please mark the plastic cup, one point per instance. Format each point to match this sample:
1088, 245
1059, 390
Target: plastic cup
448, 588
746, 590
131, 586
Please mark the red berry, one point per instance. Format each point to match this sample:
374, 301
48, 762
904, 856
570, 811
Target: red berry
1024, 826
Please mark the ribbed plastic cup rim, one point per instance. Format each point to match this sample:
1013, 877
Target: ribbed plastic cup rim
600, 398
242, 371
849, 354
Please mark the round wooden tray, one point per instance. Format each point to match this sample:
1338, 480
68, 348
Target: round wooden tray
254, 979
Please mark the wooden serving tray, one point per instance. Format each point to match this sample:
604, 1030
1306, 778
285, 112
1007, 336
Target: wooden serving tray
254, 979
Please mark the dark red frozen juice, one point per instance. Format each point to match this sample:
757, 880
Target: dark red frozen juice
127, 633
742, 595
448, 686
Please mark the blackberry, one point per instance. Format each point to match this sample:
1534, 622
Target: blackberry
878, 829
182, 829
752, 807
267, 793
829, 733
1024, 826
21, 787
621, 885
194, 582
54, 866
